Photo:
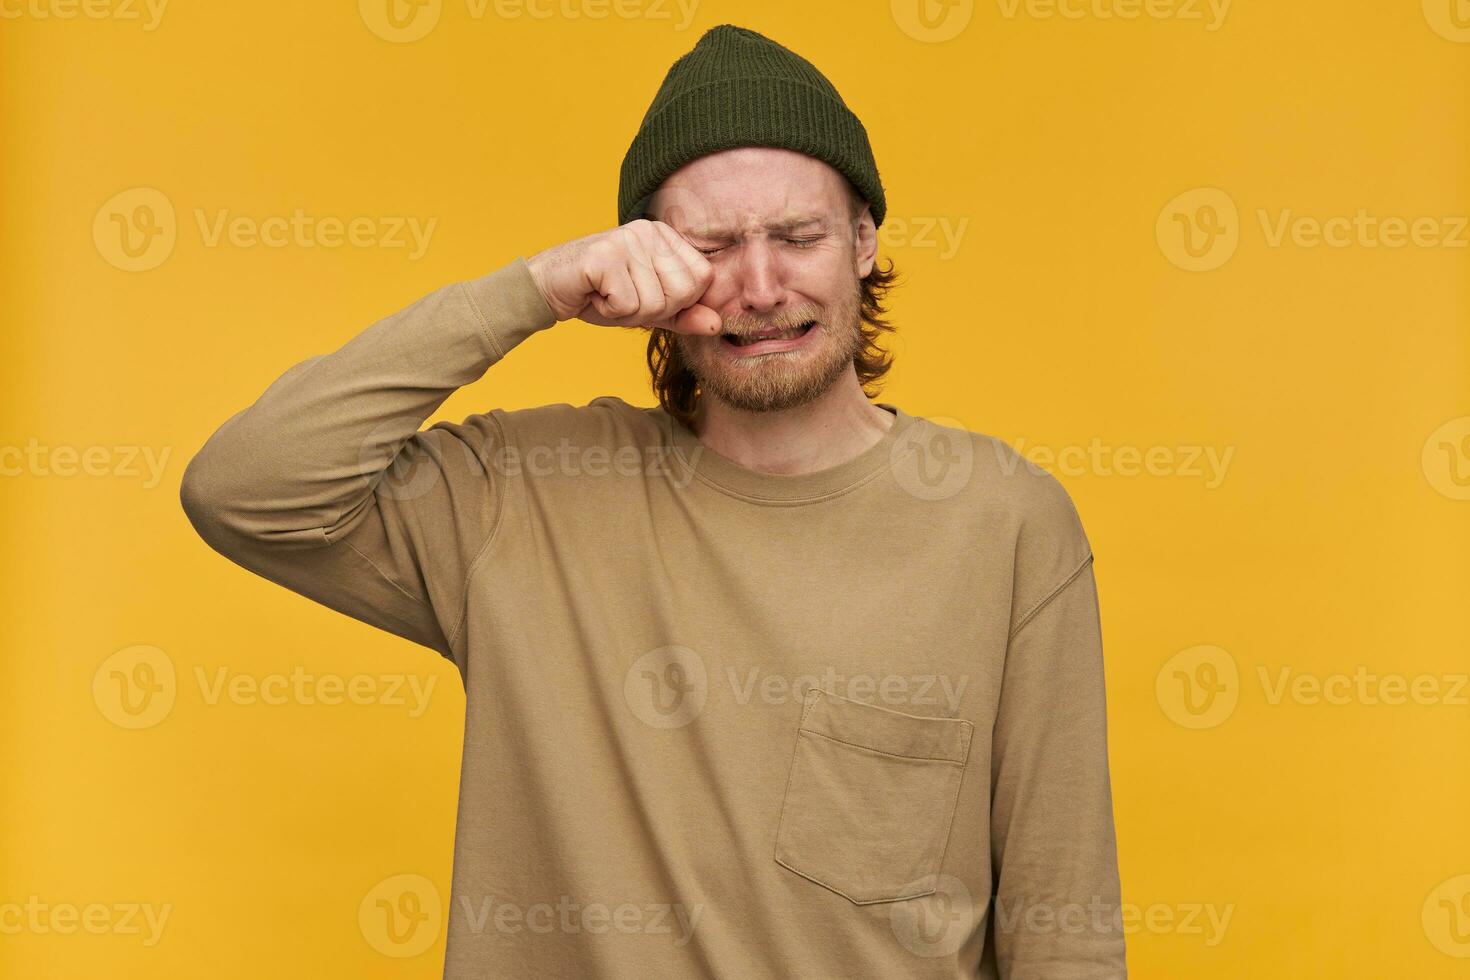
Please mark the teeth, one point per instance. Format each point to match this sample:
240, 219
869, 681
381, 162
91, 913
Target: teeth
788, 334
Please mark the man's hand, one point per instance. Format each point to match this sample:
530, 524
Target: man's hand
641, 274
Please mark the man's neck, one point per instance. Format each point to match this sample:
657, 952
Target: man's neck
837, 426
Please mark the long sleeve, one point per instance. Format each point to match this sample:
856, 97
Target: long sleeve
1056, 914
327, 486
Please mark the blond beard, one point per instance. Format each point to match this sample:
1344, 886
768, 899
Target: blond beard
780, 380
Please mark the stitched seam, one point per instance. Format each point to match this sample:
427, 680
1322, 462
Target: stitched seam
495, 521
857, 901
953, 810
790, 775
765, 501
483, 321
812, 697
1049, 597
891, 755
374, 565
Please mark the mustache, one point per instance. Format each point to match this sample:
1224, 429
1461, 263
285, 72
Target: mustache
743, 325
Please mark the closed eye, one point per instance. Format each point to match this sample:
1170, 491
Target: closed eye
807, 242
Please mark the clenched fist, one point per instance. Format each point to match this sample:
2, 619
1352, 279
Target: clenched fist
641, 274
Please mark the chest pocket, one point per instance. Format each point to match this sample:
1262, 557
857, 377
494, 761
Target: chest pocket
870, 798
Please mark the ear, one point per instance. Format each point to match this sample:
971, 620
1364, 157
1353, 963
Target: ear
866, 237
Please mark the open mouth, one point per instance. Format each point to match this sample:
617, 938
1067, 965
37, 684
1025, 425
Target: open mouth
770, 339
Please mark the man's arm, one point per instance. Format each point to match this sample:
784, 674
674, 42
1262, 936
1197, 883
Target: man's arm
1056, 914
298, 488
325, 484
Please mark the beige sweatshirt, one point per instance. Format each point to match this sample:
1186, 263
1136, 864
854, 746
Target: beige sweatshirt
719, 723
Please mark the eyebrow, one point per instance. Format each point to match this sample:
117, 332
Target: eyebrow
775, 227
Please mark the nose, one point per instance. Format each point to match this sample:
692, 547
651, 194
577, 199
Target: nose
759, 278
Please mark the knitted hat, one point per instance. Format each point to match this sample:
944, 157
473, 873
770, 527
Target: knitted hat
739, 88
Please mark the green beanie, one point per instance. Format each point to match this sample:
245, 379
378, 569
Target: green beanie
739, 88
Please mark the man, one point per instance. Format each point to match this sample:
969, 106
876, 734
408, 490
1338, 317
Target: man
767, 681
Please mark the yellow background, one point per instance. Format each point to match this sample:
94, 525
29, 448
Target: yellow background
1050, 145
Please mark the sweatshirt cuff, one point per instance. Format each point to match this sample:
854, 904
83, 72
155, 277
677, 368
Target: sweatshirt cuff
508, 305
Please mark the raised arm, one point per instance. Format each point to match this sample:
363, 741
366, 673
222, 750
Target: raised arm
327, 486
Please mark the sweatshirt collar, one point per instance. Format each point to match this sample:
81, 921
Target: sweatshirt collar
730, 477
